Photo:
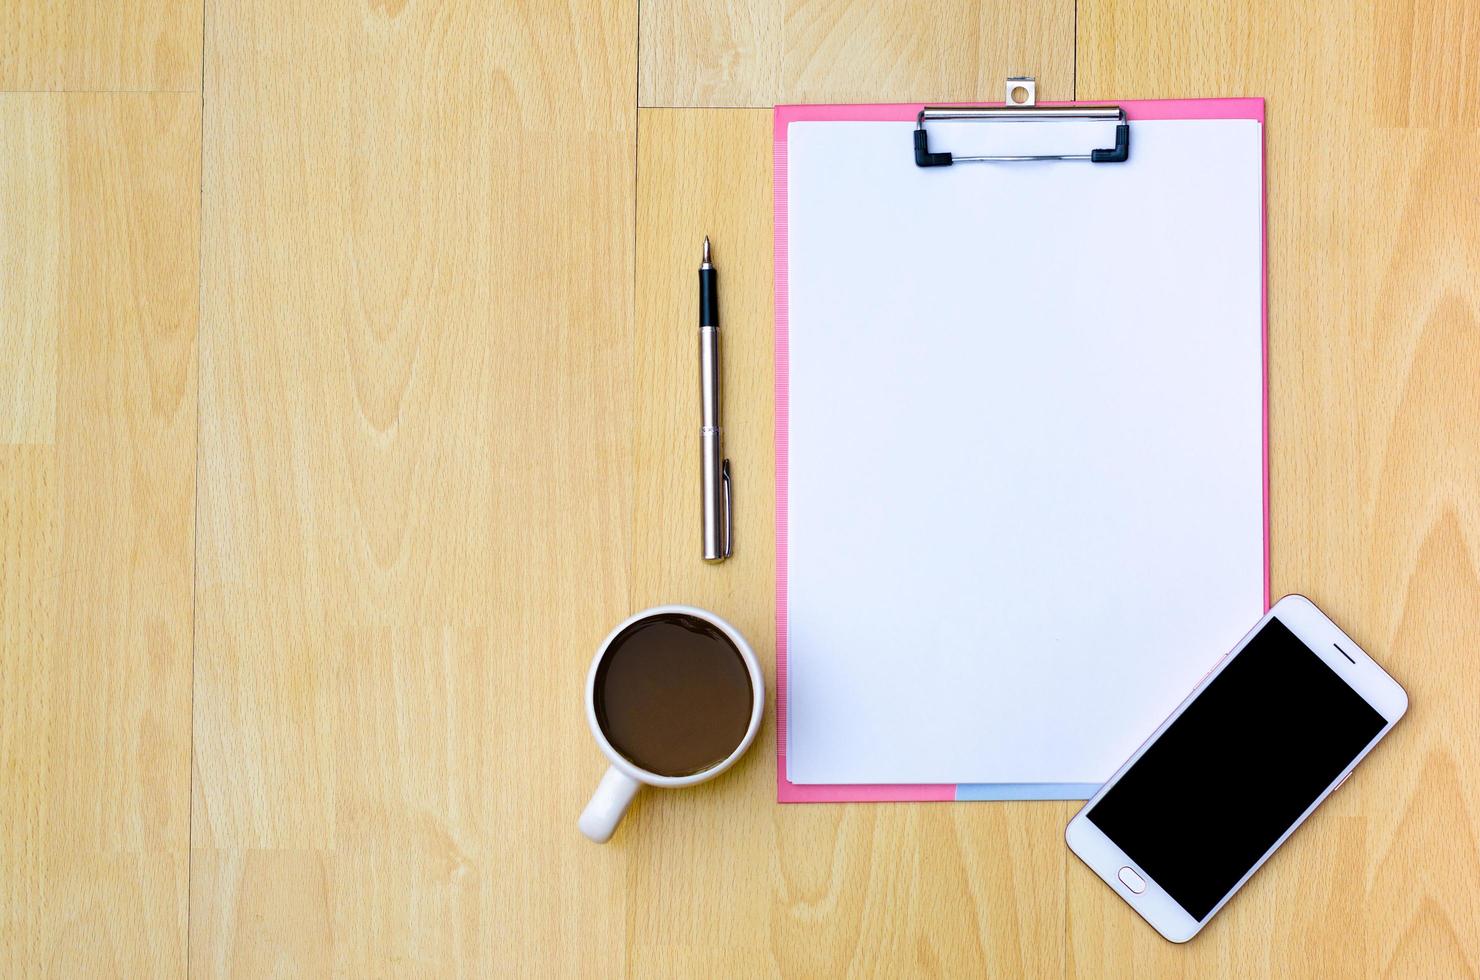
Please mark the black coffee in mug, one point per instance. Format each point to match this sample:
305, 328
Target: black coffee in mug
673, 695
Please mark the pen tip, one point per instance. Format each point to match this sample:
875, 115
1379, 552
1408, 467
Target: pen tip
706, 248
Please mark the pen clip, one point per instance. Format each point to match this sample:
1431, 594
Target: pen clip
729, 514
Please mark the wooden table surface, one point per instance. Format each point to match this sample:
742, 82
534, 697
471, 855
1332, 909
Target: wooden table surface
347, 399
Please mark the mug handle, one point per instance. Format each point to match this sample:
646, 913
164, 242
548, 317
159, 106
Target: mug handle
608, 804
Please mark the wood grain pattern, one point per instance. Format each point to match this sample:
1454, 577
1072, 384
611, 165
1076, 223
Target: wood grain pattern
1374, 356
446, 440
701, 53
415, 502
30, 260
800, 890
88, 45
96, 550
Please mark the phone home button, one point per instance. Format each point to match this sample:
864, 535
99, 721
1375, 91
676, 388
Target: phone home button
1131, 880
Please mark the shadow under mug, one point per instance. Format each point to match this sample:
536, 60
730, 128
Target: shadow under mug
615, 792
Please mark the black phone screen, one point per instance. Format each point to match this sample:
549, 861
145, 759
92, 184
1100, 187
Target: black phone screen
1225, 780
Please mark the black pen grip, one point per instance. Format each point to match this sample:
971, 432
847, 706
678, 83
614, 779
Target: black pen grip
708, 299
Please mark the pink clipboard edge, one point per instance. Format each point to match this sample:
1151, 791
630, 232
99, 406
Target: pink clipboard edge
1237, 108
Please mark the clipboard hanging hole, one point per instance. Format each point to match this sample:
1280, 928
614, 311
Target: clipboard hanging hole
1022, 90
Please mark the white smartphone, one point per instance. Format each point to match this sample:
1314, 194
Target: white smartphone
1271, 731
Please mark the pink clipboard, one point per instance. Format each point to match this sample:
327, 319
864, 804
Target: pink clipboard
787, 791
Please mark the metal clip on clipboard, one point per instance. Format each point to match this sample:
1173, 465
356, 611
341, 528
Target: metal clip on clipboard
1026, 110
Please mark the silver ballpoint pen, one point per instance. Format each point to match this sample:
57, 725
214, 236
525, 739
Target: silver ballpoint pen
715, 477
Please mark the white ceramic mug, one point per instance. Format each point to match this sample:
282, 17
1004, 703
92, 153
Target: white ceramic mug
623, 779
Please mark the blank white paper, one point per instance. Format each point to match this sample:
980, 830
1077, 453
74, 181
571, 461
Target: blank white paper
1025, 499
